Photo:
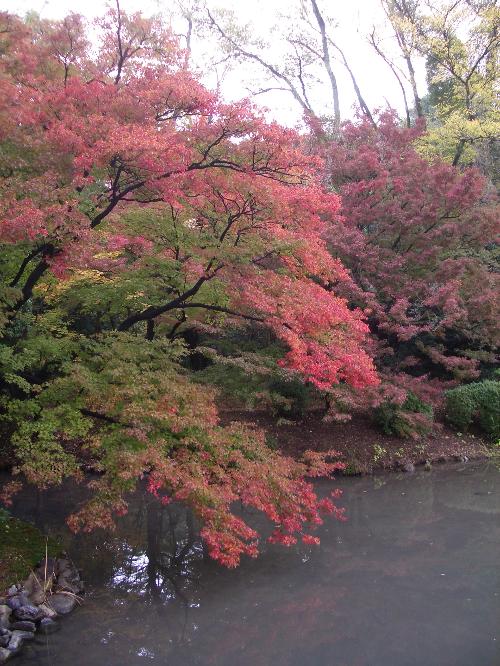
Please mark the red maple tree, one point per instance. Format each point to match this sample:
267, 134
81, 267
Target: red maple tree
135, 196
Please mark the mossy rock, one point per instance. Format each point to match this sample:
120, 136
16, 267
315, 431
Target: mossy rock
22, 546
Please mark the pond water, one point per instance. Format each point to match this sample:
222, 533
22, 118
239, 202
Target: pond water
411, 579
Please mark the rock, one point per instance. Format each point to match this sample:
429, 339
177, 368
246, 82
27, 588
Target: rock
18, 638
4, 640
68, 578
15, 646
28, 612
14, 603
62, 603
47, 568
5, 612
408, 467
70, 583
36, 588
24, 625
48, 626
4, 655
23, 597
64, 564
18, 600
67, 586
47, 612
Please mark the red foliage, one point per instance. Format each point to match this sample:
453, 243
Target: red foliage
137, 130
415, 236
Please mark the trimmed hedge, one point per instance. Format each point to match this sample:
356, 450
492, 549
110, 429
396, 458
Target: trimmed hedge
477, 403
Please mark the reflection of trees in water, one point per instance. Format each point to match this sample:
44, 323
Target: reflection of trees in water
152, 553
149, 568
160, 550
158, 561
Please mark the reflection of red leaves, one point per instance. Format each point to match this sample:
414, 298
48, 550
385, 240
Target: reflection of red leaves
310, 540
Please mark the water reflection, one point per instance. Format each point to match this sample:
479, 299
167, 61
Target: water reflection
412, 578
164, 569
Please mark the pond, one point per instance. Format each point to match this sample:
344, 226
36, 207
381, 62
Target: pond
411, 579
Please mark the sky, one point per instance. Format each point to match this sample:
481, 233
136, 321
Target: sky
354, 17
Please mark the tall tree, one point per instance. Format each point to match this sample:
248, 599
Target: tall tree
136, 204
309, 52
403, 15
459, 40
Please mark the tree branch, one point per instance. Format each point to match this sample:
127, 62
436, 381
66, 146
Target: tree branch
270, 68
327, 63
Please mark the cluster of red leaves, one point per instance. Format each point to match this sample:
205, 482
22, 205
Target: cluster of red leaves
188, 457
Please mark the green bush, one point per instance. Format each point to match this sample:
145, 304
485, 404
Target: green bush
478, 403
289, 397
413, 417
233, 382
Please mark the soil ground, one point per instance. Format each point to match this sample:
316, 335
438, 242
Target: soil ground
361, 445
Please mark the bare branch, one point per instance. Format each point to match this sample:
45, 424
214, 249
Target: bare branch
263, 63
327, 63
373, 41
362, 103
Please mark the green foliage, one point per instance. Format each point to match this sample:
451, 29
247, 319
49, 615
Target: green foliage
35, 354
272, 442
413, 417
22, 546
353, 468
247, 380
290, 397
234, 383
477, 403
243, 368
379, 452
460, 44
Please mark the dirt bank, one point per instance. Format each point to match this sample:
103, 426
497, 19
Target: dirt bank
360, 444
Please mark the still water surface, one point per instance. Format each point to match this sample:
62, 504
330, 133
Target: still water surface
413, 578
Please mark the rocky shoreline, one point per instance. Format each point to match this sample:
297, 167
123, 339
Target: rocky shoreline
53, 589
